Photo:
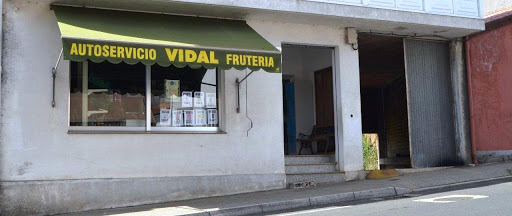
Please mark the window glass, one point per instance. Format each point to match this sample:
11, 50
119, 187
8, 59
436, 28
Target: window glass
183, 97
105, 94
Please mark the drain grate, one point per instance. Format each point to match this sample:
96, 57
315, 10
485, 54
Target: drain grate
305, 184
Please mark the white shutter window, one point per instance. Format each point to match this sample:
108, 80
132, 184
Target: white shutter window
416, 5
382, 3
439, 6
466, 7
348, 2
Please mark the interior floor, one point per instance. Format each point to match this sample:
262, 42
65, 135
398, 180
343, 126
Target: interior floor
384, 99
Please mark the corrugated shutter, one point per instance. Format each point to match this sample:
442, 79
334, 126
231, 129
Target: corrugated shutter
430, 103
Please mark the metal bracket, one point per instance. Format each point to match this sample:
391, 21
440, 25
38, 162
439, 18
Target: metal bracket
238, 91
54, 76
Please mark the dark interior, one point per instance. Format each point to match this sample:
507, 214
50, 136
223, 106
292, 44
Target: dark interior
383, 97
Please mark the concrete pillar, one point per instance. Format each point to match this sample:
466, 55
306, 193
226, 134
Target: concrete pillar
460, 102
349, 150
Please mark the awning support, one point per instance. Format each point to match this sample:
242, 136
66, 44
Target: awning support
54, 75
238, 90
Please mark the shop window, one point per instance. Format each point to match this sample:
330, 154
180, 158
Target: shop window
183, 97
107, 96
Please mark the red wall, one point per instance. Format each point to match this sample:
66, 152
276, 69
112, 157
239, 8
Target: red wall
490, 88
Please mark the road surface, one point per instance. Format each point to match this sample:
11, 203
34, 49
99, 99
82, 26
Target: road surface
480, 201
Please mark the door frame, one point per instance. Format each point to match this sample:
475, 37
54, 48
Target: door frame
335, 71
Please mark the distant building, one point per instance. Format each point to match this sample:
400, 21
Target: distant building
489, 59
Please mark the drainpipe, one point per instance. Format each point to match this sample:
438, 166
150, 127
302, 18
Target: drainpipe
470, 93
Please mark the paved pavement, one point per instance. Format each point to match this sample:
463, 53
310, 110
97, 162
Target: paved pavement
261, 202
488, 200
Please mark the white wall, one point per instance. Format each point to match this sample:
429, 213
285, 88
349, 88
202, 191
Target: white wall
348, 101
463, 8
38, 147
494, 5
35, 144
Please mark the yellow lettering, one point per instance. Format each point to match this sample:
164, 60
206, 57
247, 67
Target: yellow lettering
228, 58
73, 50
261, 61
213, 60
180, 55
152, 54
146, 51
89, 49
271, 62
97, 50
190, 56
129, 52
140, 53
113, 51
249, 58
82, 49
105, 50
235, 60
120, 52
243, 60
171, 54
255, 61
202, 58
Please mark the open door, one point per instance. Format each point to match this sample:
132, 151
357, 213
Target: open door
324, 103
430, 103
289, 117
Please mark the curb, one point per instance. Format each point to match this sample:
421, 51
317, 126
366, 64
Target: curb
459, 184
305, 202
333, 198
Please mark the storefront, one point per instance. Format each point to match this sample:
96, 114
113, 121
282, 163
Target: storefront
118, 103
148, 108
129, 74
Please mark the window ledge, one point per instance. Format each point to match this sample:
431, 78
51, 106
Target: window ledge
142, 132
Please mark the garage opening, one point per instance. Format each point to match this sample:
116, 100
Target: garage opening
384, 100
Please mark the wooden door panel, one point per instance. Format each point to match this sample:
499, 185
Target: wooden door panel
324, 103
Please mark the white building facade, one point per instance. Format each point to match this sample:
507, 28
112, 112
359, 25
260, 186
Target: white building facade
48, 165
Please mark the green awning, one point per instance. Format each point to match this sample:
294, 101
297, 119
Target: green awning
133, 37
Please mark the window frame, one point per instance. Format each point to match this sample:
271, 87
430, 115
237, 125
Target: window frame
148, 115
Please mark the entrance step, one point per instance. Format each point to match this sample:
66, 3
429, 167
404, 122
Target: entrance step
319, 178
320, 169
308, 159
310, 168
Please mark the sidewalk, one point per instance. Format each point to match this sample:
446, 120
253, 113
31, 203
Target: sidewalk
259, 202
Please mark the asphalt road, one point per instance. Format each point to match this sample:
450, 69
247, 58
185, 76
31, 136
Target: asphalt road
480, 201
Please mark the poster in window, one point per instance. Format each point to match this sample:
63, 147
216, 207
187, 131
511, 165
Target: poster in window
177, 118
200, 117
198, 99
189, 118
211, 100
213, 117
165, 117
172, 90
186, 99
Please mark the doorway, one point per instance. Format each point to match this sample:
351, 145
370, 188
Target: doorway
308, 100
384, 99
406, 100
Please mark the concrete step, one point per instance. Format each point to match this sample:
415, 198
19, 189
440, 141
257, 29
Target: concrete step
308, 159
319, 178
310, 168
